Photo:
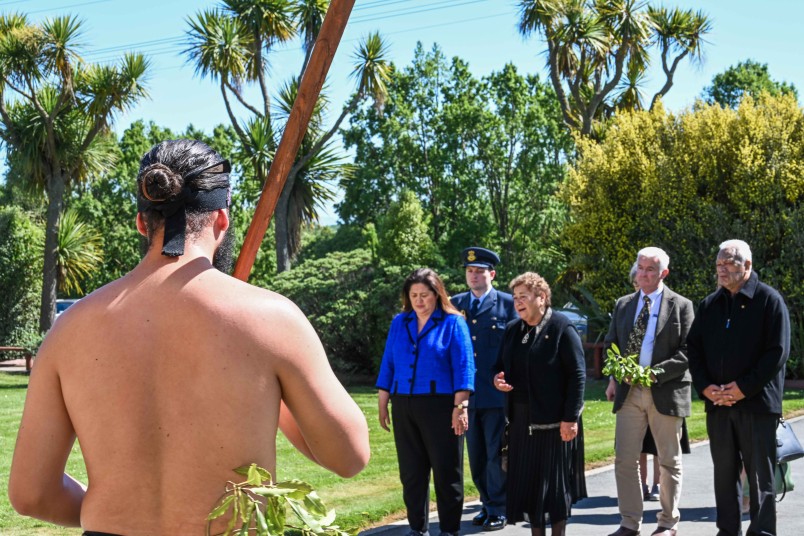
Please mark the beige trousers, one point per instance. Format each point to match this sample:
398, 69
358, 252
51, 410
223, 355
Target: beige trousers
638, 412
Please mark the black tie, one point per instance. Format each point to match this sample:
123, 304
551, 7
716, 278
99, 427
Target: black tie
475, 307
634, 345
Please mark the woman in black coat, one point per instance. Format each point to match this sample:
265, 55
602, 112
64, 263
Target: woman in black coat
542, 370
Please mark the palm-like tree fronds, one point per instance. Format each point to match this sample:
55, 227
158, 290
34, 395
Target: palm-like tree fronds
271, 21
372, 69
535, 15
105, 89
287, 96
680, 31
258, 153
311, 191
629, 94
219, 45
593, 45
61, 44
20, 51
80, 252
71, 128
12, 21
309, 16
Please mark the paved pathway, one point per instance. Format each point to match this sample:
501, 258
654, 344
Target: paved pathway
13, 365
598, 515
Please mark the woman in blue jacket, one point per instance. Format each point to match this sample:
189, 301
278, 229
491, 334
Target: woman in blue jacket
428, 372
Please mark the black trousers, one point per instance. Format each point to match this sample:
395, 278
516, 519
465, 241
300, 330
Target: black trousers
736, 439
484, 441
425, 441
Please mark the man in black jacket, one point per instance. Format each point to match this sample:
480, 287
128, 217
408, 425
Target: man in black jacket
738, 346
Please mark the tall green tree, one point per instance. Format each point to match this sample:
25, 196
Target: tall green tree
599, 51
522, 148
232, 45
56, 112
484, 156
746, 78
422, 141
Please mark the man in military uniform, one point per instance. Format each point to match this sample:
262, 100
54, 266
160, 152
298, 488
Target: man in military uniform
487, 312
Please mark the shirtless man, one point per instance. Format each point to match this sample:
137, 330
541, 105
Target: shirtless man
174, 375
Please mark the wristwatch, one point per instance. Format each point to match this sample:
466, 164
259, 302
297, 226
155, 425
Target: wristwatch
462, 405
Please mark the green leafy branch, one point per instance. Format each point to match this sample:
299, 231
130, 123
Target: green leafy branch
259, 505
627, 368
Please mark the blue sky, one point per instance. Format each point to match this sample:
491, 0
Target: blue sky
483, 32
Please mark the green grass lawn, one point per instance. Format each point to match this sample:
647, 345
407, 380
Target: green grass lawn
373, 495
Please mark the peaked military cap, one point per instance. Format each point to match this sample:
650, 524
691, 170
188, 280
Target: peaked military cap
482, 257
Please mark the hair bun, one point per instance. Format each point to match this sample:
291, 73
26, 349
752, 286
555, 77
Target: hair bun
159, 183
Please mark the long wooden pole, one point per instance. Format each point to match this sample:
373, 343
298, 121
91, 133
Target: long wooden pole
312, 81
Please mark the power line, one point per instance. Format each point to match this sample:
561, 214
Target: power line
352, 40
141, 44
434, 6
378, 3
66, 7
156, 47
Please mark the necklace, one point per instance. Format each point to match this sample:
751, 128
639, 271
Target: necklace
538, 327
527, 333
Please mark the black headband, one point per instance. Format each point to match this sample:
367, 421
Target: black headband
174, 207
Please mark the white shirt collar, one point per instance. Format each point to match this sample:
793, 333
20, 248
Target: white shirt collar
481, 298
653, 295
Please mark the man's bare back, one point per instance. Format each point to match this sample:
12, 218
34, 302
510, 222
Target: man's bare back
171, 377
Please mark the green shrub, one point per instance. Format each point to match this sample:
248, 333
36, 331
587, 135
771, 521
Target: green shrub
350, 303
21, 243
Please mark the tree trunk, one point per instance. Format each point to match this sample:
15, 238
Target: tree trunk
55, 194
281, 229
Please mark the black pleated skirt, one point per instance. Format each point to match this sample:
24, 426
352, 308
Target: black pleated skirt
577, 464
541, 480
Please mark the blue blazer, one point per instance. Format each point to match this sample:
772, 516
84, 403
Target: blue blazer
437, 361
486, 329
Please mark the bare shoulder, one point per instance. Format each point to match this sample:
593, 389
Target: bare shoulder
268, 318
254, 307
75, 324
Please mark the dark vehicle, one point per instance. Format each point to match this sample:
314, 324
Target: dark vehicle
62, 305
578, 320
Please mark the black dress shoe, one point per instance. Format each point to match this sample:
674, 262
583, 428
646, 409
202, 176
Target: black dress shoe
623, 531
495, 523
480, 518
